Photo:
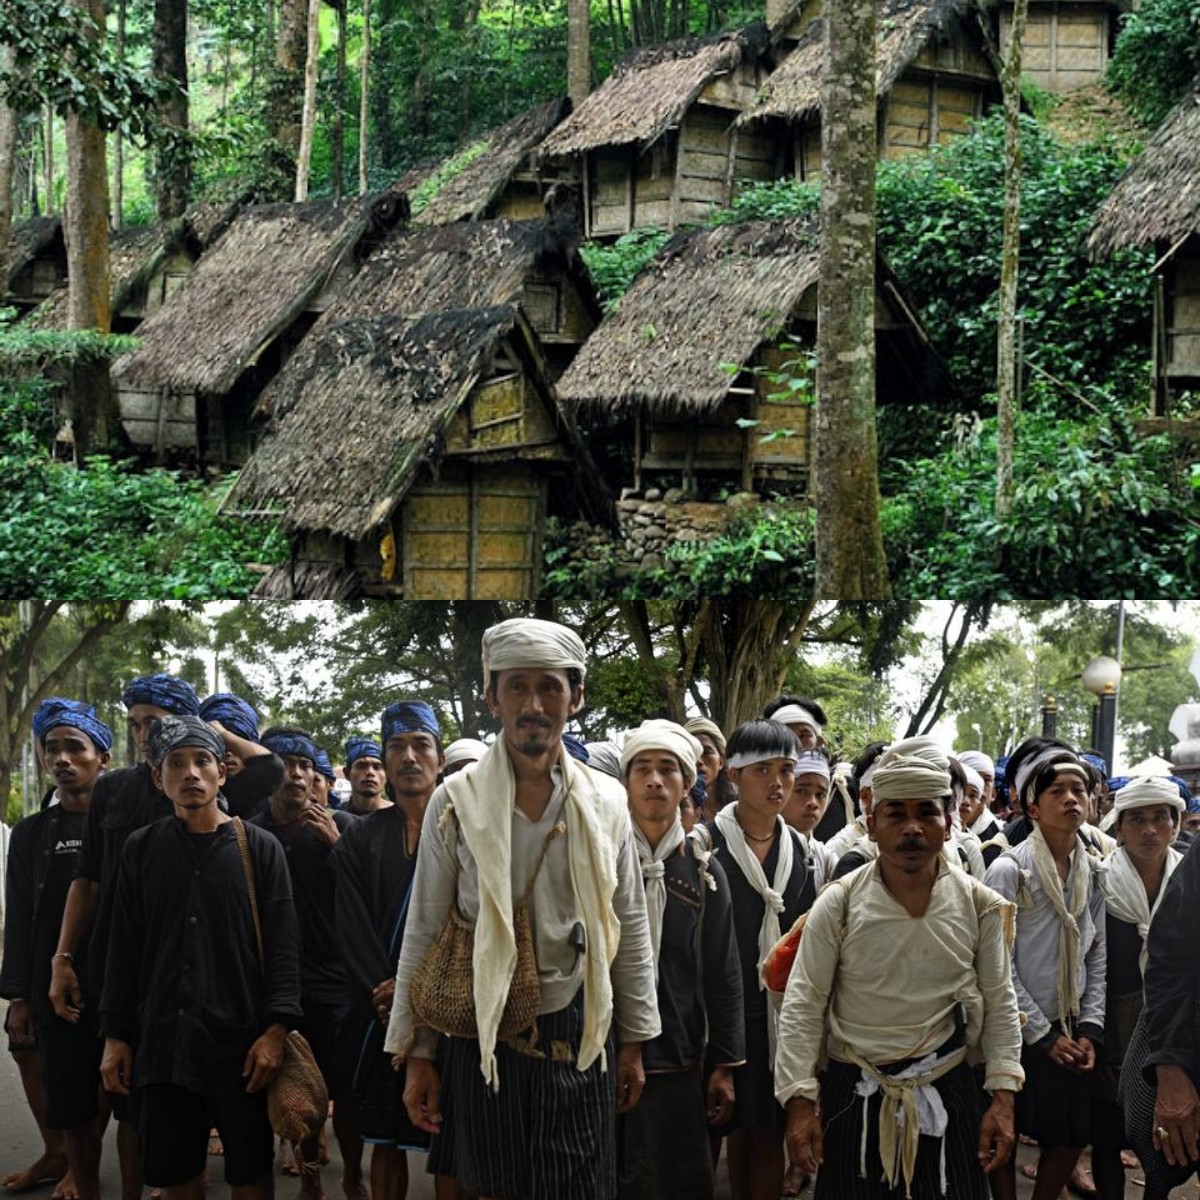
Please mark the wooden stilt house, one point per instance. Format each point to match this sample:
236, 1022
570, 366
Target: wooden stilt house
655, 144
1157, 203
414, 446
207, 353
937, 70
38, 262
1067, 43
706, 362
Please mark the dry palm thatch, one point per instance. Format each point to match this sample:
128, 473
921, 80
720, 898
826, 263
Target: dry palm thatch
300, 580
466, 185
649, 92
1158, 197
366, 400
710, 298
30, 239
246, 290
903, 29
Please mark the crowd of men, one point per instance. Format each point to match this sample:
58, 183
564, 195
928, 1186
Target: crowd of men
569, 971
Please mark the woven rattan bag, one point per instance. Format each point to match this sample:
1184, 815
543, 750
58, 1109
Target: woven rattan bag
441, 993
297, 1098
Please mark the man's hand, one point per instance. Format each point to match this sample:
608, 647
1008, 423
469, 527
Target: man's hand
116, 1067
1177, 1113
631, 1078
996, 1134
381, 1000
22, 1028
321, 819
719, 1097
65, 993
805, 1145
421, 1086
1076, 1055
264, 1059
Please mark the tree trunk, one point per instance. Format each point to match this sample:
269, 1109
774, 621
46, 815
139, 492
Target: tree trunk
291, 50
173, 167
337, 129
579, 51
1006, 336
8, 159
48, 161
364, 105
308, 116
118, 174
850, 560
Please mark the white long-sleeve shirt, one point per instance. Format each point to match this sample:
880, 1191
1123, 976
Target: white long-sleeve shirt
872, 979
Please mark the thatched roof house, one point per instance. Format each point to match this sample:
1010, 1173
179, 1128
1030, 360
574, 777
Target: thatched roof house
711, 333
416, 425
936, 71
205, 355
493, 176
37, 261
1157, 203
655, 144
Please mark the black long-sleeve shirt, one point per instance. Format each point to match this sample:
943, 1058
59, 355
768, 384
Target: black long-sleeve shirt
699, 972
41, 864
247, 792
310, 864
183, 984
1172, 1010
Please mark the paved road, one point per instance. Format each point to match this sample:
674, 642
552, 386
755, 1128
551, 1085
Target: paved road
20, 1145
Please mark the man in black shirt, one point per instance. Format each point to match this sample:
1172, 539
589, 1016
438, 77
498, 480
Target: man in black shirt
194, 1023
364, 770
662, 1144
75, 748
308, 832
253, 772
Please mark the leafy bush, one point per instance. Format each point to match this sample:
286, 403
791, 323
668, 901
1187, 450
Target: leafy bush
1157, 56
773, 201
614, 267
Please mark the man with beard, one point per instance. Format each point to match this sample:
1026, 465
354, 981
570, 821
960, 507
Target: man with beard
902, 968
75, 748
194, 1021
122, 802
364, 769
375, 860
308, 832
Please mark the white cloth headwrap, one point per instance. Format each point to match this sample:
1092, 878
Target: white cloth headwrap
900, 776
793, 714
1146, 792
653, 862
979, 761
1027, 773
483, 800
974, 779
771, 893
812, 763
662, 735
527, 642
465, 750
606, 757
699, 725
1125, 893
924, 746
867, 778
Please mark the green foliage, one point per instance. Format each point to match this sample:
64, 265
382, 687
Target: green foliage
773, 201
615, 266
1098, 511
1157, 56
449, 170
578, 563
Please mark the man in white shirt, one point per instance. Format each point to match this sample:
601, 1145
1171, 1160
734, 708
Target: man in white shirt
903, 968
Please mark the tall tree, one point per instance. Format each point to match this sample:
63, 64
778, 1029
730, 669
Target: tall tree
337, 125
173, 159
850, 560
579, 50
364, 98
308, 115
8, 159
287, 87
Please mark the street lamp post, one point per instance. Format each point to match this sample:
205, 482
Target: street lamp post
1049, 717
1102, 677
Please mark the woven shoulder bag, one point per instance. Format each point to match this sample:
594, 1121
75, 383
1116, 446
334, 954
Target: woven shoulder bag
297, 1098
441, 992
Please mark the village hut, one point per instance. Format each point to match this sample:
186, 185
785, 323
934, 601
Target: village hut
937, 71
414, 447
494, 175
1067, 43
656, 146
1157, 203
709, 357
206, 354
37, 262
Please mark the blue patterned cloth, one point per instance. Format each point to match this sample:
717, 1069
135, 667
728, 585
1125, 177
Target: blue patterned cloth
51, 707
168, 692
408, 716
361, 747
85, 721
574, 747
233, 712
169, 733
298, 745
324, 766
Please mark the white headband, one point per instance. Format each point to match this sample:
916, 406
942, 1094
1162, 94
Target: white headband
665, 736
527, 642
1146, 792
974, 779
606, 757
747, 758
909, 777
793, 714
464, 750
979, 761
1062, 758
812, 763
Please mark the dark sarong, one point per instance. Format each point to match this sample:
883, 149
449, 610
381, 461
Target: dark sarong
662, 1145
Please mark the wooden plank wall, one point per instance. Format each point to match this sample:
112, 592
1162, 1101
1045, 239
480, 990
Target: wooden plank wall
1066, 45
1182, 293
156, 421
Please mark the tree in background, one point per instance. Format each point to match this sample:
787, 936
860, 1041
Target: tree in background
173, 158
1157, 56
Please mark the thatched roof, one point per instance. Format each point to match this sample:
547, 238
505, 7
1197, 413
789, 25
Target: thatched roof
650, 90
300, 580
711, 297
1158, 197
249, 287
29, 239
464, 186
903, 29
372, 395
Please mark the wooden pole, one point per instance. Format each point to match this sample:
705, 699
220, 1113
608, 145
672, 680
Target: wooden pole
308, 117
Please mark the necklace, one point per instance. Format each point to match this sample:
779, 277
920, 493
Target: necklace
754, 837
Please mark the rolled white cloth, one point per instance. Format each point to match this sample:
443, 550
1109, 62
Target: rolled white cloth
978, 761
662, 735
974, 779
812, 763
1147, 792
794, 714
1027, 773
528, 642
652, 860
606, 757
900, 776
1125, 893
464, 750
698, 725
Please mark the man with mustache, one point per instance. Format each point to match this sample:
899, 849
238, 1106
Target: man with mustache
375, 861
74, 747
903, 966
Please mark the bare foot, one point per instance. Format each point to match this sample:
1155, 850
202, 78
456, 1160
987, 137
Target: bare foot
1081, 1181
354, 1190
215, 1145
50, 1168
1129, 1160
66, 1189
